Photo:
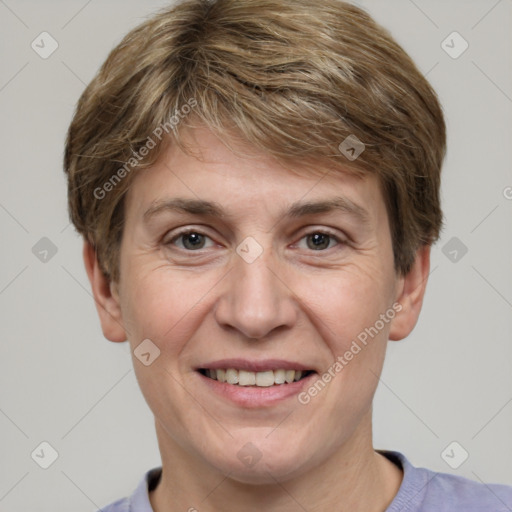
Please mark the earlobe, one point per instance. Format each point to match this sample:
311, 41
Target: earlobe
105, 296
410, 293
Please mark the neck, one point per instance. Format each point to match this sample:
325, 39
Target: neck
355, 478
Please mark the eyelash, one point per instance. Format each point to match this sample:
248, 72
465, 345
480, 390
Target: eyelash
189, 231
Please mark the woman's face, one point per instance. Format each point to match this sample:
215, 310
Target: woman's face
237, 268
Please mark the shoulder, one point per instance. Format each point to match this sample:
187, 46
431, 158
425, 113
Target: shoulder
424, 490
468, 495
138, 501
122, 505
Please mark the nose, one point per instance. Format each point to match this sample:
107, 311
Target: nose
255, 299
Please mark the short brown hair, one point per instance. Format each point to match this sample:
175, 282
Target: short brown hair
292, 77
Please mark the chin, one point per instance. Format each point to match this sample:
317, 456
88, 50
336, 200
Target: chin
264, 472
263, 462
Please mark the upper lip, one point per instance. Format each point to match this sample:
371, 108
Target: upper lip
254, 366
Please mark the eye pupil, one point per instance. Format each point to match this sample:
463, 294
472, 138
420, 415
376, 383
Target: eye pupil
318, 241
193, 241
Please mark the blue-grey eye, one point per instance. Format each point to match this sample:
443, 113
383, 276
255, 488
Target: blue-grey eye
192, 240
318, 241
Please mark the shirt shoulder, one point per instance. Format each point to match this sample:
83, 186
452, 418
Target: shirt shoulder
451, 492
138, 501
122, 505
424, 490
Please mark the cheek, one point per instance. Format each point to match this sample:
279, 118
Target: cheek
352, 310
164, 305
345, 302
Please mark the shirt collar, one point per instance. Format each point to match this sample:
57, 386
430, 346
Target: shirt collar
139, 500
410, 494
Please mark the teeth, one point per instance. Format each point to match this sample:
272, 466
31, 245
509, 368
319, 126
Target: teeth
262, 379
279, 376
231, 376
265, 379
289, 376
246, 378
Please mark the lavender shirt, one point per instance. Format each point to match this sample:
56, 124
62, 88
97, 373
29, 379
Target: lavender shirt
421, 490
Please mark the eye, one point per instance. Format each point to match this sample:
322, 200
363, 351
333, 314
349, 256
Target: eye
191, 241
318, 241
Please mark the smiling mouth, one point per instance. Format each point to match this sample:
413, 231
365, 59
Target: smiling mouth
259, 379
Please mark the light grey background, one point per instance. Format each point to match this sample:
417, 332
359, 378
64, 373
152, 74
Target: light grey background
63, 383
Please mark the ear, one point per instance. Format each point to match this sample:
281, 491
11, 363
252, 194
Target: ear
105, 295
410, 292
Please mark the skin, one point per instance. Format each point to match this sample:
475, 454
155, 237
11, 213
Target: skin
293, 302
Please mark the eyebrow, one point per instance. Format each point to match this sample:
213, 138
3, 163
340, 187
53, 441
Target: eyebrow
296, 210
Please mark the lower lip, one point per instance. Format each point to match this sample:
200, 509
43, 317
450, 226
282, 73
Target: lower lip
254, 396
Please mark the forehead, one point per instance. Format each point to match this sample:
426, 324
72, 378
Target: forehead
227, 178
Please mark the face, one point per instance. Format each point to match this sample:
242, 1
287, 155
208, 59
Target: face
237, 268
